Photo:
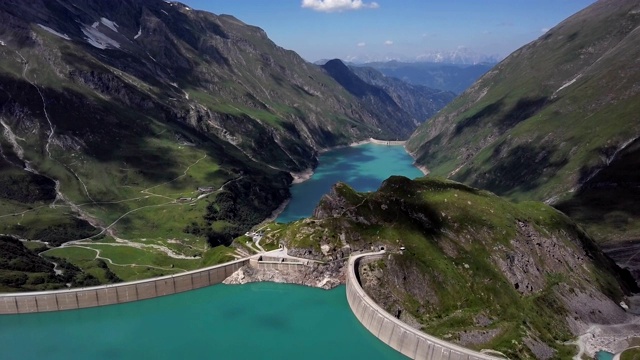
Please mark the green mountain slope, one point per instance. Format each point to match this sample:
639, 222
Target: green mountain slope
550, 117
145, 134
467, 265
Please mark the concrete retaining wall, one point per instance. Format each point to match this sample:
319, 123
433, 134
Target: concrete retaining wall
393, 332
19, 303
277, 265
386, 142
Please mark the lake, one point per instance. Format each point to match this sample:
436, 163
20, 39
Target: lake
253, 321
604, 355
363, 167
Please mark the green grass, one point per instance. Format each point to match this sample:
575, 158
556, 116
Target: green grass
630, 354
217, 255
128, 255
73, 254
148, 263
83, 258
132, 273
238, 110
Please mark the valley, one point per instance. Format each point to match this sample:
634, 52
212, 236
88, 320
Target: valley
153, 162
497, 202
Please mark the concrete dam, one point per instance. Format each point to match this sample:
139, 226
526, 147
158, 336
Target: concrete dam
56, 300
393, 332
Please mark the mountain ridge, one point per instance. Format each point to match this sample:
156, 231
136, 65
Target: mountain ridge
549, 117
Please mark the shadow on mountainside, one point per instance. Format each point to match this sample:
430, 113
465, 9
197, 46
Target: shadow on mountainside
609, 200
522, 169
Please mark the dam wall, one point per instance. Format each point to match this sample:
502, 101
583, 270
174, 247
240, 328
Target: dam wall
386, 142
393, 332
281, 265
278, 263
30, 302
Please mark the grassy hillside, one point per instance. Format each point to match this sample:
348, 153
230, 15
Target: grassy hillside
141, 137
476, 269
550, 117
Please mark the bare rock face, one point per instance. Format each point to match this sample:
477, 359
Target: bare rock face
477, 337
541, 350
533, 256
373, 277
588, 306
332, 204
320, 276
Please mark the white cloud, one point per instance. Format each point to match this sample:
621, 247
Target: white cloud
388, 42
362, 44
338, 5
544, 30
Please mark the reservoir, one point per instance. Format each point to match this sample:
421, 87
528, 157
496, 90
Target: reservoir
363, 167
253, 321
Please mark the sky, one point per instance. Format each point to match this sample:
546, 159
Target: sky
364, 30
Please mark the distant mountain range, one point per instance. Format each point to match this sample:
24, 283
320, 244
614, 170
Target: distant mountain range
459, 56
368, 84
443, 76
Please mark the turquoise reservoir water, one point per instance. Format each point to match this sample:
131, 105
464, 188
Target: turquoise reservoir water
363, 167
253, 321
604, 355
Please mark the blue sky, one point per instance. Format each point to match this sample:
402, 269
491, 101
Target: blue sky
405, 29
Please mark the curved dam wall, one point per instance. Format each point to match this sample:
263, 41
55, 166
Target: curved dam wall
393, 332
30, 302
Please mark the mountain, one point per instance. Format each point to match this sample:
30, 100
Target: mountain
459, 56
419, 101
556, 121
148, 133
466, 265
374, 97
437, 75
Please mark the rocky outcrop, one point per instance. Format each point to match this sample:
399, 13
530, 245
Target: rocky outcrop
325, 276
468, 266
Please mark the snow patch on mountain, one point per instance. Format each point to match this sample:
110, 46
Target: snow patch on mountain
50, 30
97, 39
110, 24
569, 83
